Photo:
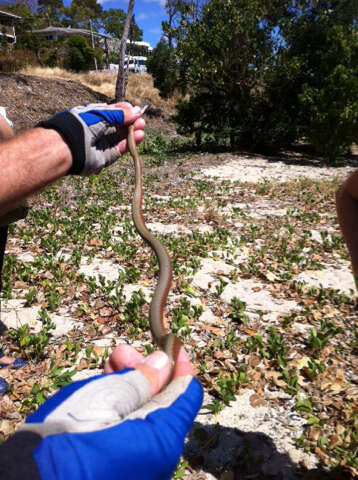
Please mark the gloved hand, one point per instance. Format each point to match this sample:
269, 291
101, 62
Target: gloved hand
3, 114
111, 426
92, 133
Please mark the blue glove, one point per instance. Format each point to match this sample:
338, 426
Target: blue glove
106, 427
89, 132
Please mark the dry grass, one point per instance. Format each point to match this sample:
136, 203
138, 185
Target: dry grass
140, 86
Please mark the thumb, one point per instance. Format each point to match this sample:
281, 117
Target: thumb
156, 369
131, 114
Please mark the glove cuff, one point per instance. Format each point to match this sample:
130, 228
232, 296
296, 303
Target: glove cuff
72, 132
16, 457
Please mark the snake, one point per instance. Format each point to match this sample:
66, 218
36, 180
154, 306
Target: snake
161, 333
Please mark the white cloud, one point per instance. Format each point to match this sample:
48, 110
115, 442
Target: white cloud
141, 16
107, 1
160, 2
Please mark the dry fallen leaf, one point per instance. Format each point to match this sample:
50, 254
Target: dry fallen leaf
105, 312
222, 354
6, 427
95, 242
276, 377
257, 401
215, 331
334, 441
83, 364
104, 320
271, 276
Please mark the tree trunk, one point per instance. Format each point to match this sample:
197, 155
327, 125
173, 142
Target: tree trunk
122, 78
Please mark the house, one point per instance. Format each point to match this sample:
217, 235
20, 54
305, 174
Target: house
7, 26
58, 33
61, 33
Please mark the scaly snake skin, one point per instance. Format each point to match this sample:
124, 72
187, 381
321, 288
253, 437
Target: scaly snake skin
162, 336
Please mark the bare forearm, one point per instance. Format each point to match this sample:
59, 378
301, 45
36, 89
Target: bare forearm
347, 211
29, 162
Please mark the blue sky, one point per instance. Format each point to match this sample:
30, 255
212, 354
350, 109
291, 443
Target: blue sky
148, 15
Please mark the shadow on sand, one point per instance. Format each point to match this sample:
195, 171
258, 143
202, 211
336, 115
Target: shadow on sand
246, 455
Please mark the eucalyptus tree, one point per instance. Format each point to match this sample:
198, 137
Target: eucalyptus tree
223, 56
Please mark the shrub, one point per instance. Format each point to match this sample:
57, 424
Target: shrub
13, 63
163, 66
27, 41
330, 102
80, 56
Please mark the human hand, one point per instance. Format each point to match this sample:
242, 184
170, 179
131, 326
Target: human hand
117, 425
96, 133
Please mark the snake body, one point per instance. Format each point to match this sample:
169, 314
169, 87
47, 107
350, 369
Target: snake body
161, 334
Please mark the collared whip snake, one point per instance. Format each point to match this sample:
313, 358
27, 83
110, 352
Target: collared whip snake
162, 336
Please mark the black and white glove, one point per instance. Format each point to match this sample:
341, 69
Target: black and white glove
90, 132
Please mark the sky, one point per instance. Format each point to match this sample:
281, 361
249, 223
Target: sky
149, 15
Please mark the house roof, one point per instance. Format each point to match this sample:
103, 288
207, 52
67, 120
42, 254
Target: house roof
8, 14
69, 31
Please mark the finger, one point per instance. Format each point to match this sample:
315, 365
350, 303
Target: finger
139, 124
131, 114
123, 356
122, 104
157, 369
118, 114
123, 145
183, 364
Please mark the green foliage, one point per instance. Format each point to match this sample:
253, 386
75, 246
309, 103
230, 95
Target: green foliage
50, 59
29, 20
80, 12
222, 58
303, 405
33, 345
30, 297
39, 393
180, 470
267, 74
163, 66
80, 54
229, 384
237, 313
319, 339
28, 41
113, 23
313, 83
277, 346
330, 100
50, 9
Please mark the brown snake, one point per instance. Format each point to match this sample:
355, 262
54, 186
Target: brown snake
162, 336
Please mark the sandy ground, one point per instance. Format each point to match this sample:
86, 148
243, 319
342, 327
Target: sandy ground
267, 431
256, 169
